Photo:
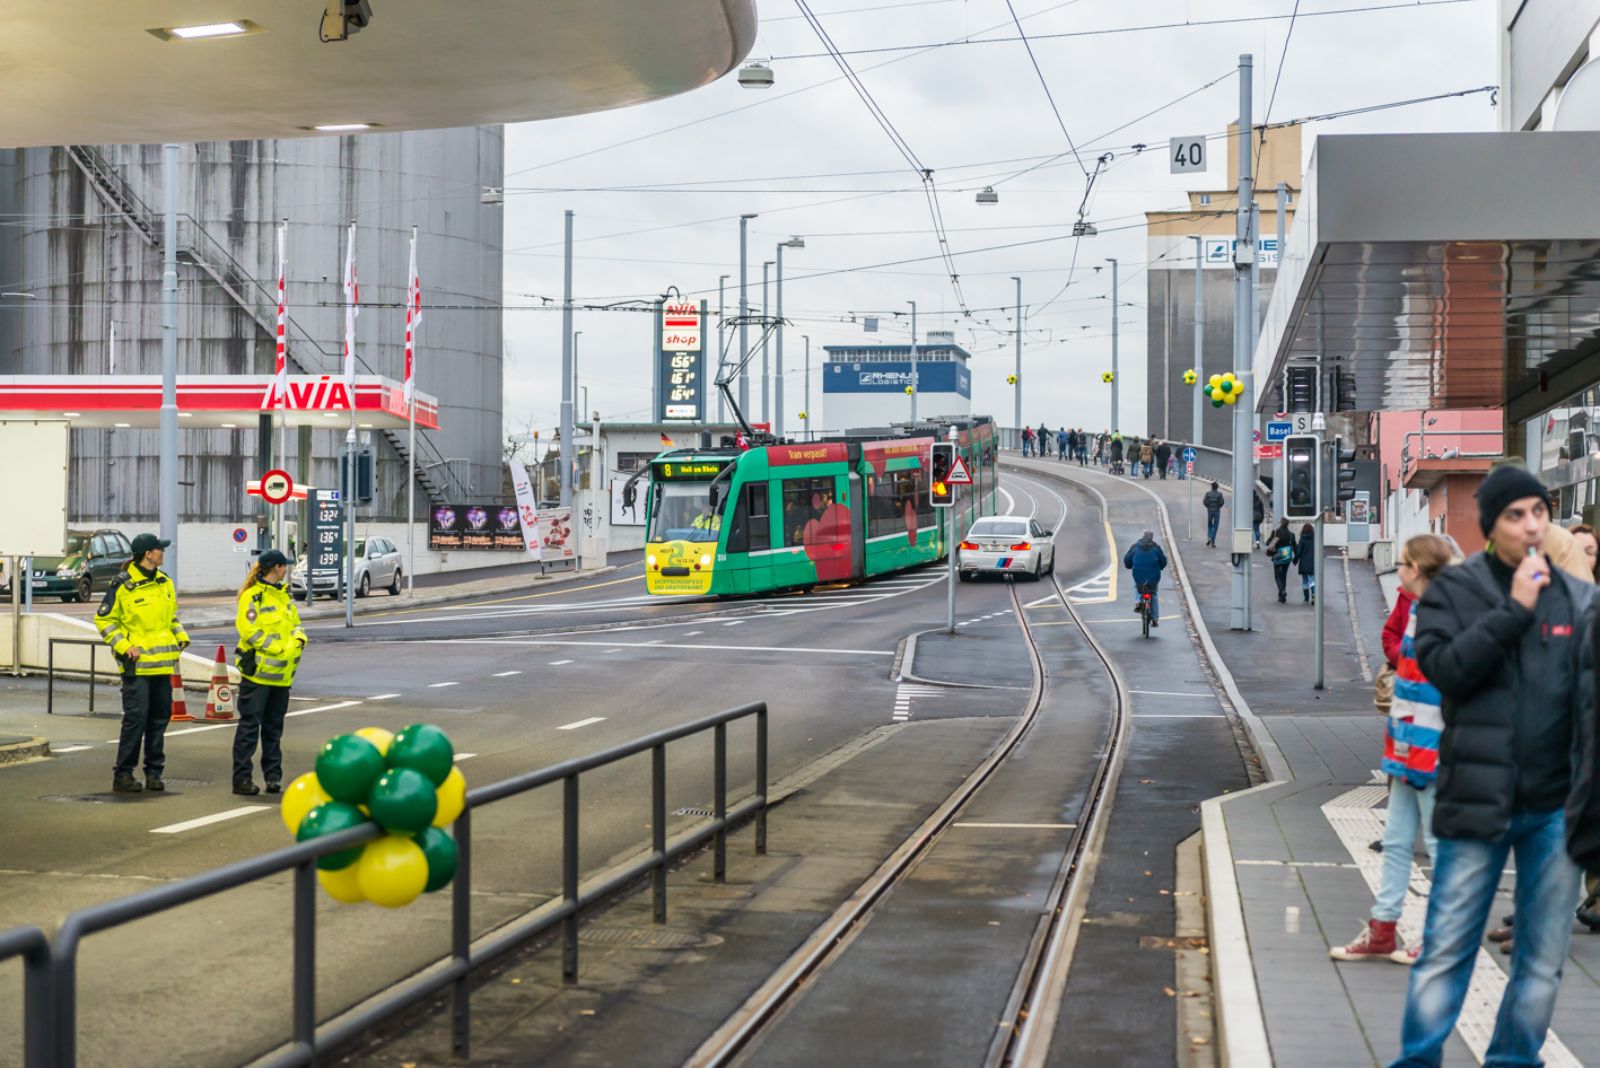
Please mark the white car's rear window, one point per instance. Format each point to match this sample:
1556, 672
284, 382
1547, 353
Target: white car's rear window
999, 528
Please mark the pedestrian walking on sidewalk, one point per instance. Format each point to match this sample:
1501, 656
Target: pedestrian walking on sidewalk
1258, 515
1061, 443
1163, 458
1411, 761
1179, 464
1281, 550
139, 620
1115, 452
1027, 441
1147, 456
1589, 545
270, 645
1305, 556
1213, 502
1499, 636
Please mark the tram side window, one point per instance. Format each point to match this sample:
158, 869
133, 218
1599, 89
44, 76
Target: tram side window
924, 503
752, 521
884, 514
804, 500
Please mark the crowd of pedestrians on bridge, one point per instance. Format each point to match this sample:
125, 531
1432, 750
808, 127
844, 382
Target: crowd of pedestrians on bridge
1108, 448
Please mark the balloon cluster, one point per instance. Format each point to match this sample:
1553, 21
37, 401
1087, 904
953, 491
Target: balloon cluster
1011, 380
1107, 376
1189, 377
409, 785
1223, 389
910, 390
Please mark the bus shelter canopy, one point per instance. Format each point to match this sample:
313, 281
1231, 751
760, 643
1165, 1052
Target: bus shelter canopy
1441, 271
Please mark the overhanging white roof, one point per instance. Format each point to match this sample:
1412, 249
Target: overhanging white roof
93, 73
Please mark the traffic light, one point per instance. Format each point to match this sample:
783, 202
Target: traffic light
940, 493
1344, 471
1301, 456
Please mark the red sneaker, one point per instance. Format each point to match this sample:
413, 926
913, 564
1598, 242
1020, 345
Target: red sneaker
1376, 942
1407, 957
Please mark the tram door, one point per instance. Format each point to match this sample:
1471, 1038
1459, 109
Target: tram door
858, 526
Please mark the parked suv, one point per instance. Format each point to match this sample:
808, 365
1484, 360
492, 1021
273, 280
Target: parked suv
92, 560
377, 564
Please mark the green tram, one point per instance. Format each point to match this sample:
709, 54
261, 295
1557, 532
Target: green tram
732, 521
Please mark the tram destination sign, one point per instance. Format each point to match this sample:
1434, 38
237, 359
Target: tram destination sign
688, 470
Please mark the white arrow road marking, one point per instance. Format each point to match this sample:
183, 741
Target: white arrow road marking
581, 723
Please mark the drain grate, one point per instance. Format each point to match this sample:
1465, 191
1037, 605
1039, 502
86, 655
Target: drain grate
692, 811
645, 938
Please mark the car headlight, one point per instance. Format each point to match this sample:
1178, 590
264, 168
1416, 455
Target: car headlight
65, 572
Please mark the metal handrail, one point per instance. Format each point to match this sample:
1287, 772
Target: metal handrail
50, 1025
94, 644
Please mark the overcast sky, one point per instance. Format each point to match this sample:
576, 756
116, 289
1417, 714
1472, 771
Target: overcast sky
974, 114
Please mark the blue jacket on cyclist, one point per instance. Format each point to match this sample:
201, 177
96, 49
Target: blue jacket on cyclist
1146, 560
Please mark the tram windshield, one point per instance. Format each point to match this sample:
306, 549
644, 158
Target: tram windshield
682, 511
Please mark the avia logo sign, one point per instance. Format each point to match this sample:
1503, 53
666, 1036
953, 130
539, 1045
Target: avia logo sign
324, 394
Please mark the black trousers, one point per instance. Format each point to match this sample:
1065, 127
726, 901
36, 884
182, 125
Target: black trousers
146, 711
1281, 573
261, 712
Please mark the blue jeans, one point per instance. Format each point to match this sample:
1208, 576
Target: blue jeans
1212, 520
1408, 809
1464, 881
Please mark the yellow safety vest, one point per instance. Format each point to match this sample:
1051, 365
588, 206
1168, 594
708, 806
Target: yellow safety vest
269, 626
142, 610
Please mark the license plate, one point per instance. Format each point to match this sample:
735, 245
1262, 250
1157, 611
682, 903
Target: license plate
39, 584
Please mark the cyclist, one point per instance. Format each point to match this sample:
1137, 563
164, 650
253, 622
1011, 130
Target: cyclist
1146, 560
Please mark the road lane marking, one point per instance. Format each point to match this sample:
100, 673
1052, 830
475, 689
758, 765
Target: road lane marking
1017, 826
441, 685
383, 697
505, 674
70, 749
231, 724
734, 623
1169, 693
1179, 715
215, 817
507, 600
581, 723
558, 663
692, 633
663, 645
464, 756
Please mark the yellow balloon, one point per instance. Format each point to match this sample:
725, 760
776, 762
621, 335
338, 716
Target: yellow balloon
909, 391
341, 885
392, 871
303, 795
452, 795
378, 737
1215, 380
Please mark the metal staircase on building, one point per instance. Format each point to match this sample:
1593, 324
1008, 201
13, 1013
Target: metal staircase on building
198, 247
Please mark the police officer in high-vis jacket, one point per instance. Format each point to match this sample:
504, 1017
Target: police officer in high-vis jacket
139, 620
270, 643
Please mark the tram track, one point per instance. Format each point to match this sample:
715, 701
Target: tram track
1023, 1033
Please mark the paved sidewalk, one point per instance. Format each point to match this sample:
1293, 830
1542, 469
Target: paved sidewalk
1303, 872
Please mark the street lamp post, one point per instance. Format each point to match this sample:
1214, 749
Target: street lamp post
766, 351
744, 314
914, 382
722, 344
777, 396
807, 416
576, 334
1018, 371
1115, 385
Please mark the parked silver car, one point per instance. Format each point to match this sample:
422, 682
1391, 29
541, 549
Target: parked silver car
377, 564
1000, 544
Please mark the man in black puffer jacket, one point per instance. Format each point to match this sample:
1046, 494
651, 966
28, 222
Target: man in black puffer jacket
1500, 636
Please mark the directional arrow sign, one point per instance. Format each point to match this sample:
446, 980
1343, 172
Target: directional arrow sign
959, 476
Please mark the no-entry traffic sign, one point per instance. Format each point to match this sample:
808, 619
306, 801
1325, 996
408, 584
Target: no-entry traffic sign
276, 487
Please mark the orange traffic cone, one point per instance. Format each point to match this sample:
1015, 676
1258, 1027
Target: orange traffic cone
180, 711
219, 702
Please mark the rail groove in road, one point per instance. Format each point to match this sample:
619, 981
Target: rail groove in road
1024, 1034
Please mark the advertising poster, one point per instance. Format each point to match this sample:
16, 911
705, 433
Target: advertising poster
528, 536
559, 541
627, 503
475, 527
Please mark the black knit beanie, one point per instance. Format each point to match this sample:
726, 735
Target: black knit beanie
1502, 486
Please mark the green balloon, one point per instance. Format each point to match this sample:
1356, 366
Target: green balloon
425, 748
1216, 402
440, 850
403, 801
347, 767
329, 818
1209, 388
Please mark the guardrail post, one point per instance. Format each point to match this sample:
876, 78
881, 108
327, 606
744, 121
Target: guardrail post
50, 680
658, 827
461, 938
305, 957
93, 648
761, 779
720, 786
569, 877
64, 981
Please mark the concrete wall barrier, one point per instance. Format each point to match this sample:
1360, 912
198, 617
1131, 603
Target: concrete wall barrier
73, 660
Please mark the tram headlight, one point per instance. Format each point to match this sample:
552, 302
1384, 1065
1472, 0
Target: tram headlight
705, 561
651, 559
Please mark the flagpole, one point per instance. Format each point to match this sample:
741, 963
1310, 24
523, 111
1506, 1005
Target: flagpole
350, 298
280, 373
413, 306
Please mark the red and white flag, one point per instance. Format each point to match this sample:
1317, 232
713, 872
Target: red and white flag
280, 367
352, 308
413, 320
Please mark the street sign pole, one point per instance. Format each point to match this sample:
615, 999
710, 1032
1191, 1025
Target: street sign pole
950, 546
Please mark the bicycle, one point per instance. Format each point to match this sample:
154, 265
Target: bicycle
1143, 608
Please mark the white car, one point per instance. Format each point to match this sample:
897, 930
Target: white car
1002, 545
377, 564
